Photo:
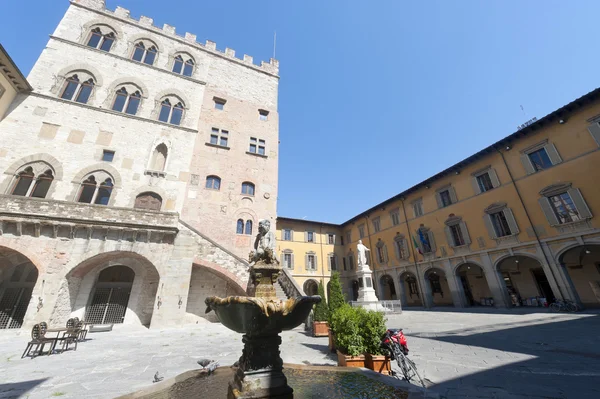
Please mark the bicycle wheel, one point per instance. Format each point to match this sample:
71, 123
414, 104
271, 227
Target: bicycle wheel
572, 307
409, 370
555, 307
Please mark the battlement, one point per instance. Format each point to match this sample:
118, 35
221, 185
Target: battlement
271, 67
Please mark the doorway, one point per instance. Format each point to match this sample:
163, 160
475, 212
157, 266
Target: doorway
111, 296
543, 284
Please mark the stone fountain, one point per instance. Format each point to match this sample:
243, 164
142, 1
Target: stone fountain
261, 317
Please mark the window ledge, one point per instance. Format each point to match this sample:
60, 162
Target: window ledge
256, 154
155, 173
570, 227
218, 146
511, 239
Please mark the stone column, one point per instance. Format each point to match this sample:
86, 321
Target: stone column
562, 275
558, 286
495, 282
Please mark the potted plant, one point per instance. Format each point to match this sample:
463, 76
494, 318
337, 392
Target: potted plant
372, 328
336, 301
320, 325
348, 341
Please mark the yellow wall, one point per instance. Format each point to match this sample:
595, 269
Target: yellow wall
9, 94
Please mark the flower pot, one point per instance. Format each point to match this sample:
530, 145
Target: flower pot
380, 364
320, 328
350, 361
331, 341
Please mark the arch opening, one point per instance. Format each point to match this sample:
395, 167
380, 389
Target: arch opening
388, 290
18, 276
582, 266
437, 288
474, 286
525, 281
409, 290
310, 287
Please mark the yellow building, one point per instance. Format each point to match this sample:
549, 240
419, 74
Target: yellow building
512, 225
12, 82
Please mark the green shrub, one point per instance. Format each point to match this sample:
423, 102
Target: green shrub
372, 328
345, 325
336, 296
321, 309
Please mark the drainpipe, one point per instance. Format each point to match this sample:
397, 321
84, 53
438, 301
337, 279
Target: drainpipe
537, 237
322, 258
412, 251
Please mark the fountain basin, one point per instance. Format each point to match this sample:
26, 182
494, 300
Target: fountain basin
261, 316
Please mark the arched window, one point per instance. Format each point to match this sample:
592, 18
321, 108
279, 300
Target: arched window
76, 90
247, 188
101, 40
159, 158
93, 193
248, 229
239, 227
170, 113
213, 182
184, 68
23, 184
148, 200
125, 102
143, 53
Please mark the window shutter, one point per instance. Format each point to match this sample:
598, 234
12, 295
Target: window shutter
305, 236
405, 245
292, 235
292, 263
306, 261
553, 154
329, 263
512, 222
465, 233
595, 132
449, 236
419, 243
397, 249
489, 225
385, 254
316, 263
432, 241
527, 164
494, 178
475, 185
453, 197
582, 208
439, 200
548, 211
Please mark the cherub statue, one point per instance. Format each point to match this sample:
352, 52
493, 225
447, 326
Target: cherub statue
264, 245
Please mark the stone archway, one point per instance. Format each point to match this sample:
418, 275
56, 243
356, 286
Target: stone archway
582, 264
388, 290
311, 287
18, 276
110, 296
77, 293
474, 286
409, 290
437, 288
204, 282
525, 280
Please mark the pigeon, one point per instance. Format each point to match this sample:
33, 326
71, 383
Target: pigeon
204, 362
236, 364
157, 377
212, 367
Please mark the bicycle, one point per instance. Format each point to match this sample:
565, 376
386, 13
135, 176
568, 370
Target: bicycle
394, 342
560, 305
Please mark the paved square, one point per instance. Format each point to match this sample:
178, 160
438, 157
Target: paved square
465, 355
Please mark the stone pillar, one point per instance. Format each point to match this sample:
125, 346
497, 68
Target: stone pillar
558, 286
563, 277
495, 282
455, 290
366, 292
427, 295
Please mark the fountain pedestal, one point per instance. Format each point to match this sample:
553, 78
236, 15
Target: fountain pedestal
260, 370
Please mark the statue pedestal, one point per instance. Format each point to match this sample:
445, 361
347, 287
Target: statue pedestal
366, 292
260, 372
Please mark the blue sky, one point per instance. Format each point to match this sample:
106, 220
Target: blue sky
376, 96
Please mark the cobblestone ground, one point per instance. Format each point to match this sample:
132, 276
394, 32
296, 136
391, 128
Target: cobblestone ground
463, 354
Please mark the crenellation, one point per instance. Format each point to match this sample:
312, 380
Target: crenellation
146, 21
190, 37
122, 12
169, 29
210, 45
229, 52
96, 4
248, 59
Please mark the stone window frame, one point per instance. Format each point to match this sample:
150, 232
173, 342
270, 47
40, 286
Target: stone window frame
331, 235
131, 88
330, 256
550, 149
220, 134
263, 115
258, 144
215, 178
219, 100
104, 169
306, 261
84, 72
431, 239
291, 234
314, 236
581, 207
36, 171
174, 99
508, 215
361, 231
418, 205
100, 177
491, 172
185, 56
153, 194
43, 161
451, 194
248, 184
150, 163
105, 29
396, 213
351, 259
348, 237
382, 252
376, 224
401, 241
457, 221
287, 252
148, 43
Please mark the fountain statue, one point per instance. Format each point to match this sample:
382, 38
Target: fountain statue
261, 317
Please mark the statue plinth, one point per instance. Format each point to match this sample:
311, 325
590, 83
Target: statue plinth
366, 292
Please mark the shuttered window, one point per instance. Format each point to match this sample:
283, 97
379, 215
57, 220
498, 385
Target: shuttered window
565, 207
539, 157
594, 130
500, 222
446, 197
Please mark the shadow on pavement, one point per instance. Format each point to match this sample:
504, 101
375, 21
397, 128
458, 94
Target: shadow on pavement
18, 389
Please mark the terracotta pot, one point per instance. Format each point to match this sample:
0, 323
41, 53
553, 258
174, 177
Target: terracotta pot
331, 341
350, 361
380, 364
320, 328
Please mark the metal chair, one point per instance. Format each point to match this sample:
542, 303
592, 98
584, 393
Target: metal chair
38, 339
82, 330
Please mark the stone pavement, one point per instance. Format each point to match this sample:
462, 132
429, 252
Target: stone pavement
464, 355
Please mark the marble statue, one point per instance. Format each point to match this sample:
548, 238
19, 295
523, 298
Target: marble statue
362, 254
264, 245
